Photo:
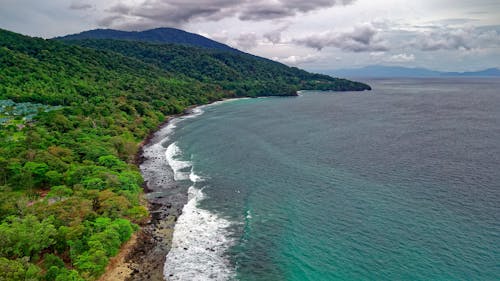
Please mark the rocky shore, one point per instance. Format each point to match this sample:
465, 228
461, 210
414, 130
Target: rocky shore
143, 259
166, 198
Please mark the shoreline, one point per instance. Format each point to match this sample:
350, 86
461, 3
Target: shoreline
143, 257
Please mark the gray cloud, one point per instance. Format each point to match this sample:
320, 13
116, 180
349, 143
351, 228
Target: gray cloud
119, 8
363, 38
456, 39
153, 13
454, 21
264, 10
80, 6
107, 21
446, 38
274, 36
247, 41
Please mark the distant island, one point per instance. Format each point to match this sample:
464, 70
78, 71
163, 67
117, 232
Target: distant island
399, 71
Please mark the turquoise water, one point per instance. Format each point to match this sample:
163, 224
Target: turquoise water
401, 183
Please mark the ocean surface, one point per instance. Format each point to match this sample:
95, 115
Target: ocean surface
400, 183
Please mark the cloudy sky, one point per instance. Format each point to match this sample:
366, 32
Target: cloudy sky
451, 35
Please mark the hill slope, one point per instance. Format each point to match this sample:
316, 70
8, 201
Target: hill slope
244, 74
71, 120
158, 35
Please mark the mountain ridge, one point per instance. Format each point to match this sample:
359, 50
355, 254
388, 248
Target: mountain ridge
156, 35
242, 73
194, 56
400, 71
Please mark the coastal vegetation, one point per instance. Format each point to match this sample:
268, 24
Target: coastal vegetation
73, 116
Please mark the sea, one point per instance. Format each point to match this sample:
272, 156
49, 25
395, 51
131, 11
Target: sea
398, 183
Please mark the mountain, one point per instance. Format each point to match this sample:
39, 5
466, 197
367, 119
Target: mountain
490, 72
51, 72
209, 61
158, 35
71, 122
242, 73
398, 71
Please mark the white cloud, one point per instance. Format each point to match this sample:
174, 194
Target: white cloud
401, 58
296, 59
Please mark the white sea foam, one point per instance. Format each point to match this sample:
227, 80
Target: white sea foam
198, 245
172, 154
200, 237
172, 124
195, 112
194, 177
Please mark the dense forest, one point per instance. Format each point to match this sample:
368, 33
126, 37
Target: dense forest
241, 73
71, 120
157, 35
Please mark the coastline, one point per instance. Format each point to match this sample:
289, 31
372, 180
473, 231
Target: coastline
143, 257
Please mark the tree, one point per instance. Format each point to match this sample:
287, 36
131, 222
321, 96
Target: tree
138, 214
111, 204
60, 191
124, 229
20, 237
18, 270
92, 263
53, 177
35, 173
68, 275
112, 162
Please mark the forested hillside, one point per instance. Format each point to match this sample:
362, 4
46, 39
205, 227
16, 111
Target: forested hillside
242, 73
71, 119
157, 35
69, 187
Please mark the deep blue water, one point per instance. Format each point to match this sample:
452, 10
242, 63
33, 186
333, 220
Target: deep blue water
400, 183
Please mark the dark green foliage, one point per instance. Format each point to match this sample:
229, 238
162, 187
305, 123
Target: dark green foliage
92, 255
51, 260
25, 237
158, 35
59, 192
68, 275
18, 270
240, 73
